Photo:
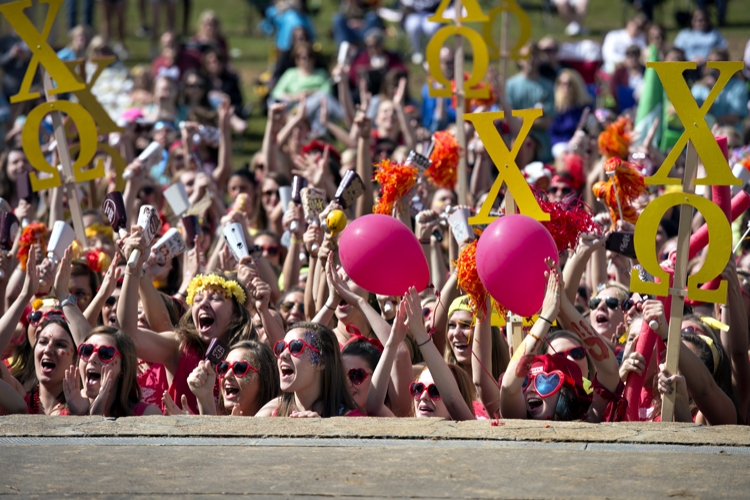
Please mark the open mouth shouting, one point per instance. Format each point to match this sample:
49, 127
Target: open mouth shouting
343, 308
601, 321
48, 366
206, 321
231, 390
534, 404
93, 377
286, 371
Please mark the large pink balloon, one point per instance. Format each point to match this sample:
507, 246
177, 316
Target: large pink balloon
383, 256
510, 262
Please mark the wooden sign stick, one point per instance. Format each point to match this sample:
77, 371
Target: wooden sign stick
68, 178
678, 291
460, 107
505, 23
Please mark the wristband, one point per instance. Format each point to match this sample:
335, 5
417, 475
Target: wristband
545, 319
535, 337
425, 342
329, 307
426, 241
296, 241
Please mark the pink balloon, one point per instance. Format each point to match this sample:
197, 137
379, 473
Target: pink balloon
383, 256
510, 262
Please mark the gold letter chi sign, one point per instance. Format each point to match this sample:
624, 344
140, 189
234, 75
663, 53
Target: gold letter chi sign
86, 114
505, 162
718, 173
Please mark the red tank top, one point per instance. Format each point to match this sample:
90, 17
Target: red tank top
179, 386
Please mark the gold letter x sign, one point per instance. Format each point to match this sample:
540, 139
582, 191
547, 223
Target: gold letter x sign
693, 119
505, 162
42, 52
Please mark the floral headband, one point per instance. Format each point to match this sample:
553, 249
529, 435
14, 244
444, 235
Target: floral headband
97, 229
203, 281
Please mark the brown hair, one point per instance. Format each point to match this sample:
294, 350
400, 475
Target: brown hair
334, 391
128, 392
464, 382
261, 357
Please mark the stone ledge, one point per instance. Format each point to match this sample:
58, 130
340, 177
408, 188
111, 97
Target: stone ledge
373, 428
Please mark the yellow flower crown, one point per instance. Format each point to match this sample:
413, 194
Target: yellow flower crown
203, 281
97, 229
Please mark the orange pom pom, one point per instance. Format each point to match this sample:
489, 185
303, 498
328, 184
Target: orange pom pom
473, 103
626, 184
395, 181
443, 172
468, 278
614, 142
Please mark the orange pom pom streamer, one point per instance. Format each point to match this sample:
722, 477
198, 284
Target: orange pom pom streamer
625, 183
395, 181
615, 141
468, 278
36, 232
443, 172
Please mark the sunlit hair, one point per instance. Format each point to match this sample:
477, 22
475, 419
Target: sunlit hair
261, 357
621, 292
334, 391
240, 327
578, 96
127, 390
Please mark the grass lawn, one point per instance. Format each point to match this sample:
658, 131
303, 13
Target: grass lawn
252, 50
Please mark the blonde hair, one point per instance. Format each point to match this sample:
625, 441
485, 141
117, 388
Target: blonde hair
578, 97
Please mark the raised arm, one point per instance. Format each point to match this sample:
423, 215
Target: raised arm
224, 166
512, 400
410, 138
109, 283
381, 376
440, 372
292, 263
79, 325
269, 148
149, 346
9, 320
735, 340
364, 164
481, 360
576, 264
607, 369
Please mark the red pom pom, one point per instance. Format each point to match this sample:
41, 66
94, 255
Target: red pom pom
443, 172
395, 181
568, 220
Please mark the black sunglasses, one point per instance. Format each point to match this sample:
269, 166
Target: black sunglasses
611, 302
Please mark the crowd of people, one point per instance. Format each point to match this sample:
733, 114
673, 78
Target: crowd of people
106, 327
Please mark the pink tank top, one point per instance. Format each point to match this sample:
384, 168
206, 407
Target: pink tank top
188, 362
153, 381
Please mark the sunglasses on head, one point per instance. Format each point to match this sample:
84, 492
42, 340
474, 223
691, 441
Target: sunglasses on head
295, 346
545, 384
575, 353
288, 306
240, 368
36, 317
106, 352
611, 302
416, 389
357, 375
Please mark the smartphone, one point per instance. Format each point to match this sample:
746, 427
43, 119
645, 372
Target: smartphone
622, 243
216, 352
